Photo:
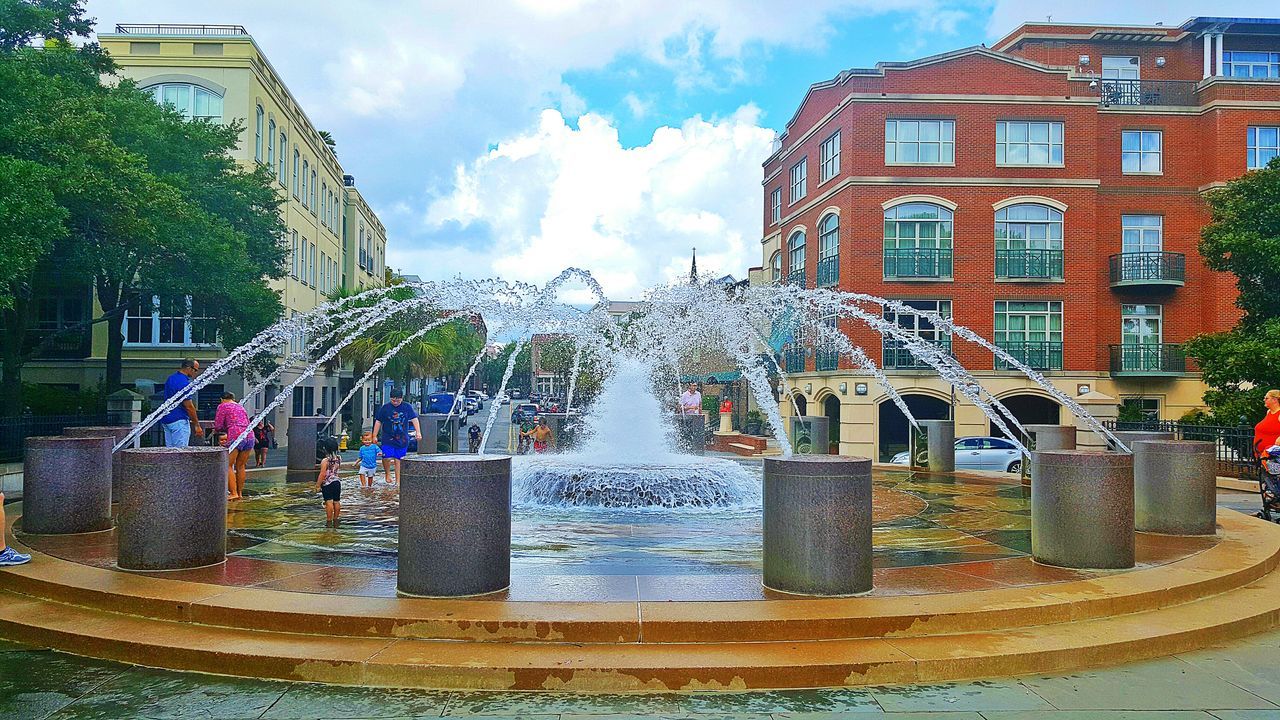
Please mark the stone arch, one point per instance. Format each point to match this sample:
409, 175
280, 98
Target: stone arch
892, 428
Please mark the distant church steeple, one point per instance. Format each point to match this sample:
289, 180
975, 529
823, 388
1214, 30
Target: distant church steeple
693, 269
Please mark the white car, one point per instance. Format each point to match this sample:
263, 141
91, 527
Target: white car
980, 453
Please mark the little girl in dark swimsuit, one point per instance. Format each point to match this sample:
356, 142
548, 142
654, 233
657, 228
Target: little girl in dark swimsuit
330, 487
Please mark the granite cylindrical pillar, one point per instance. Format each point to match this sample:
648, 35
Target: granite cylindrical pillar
817, 525
66, 485
302, 463
1129, 437
1175, 487
173, 508
692, 433
810, 434
1082, 509
116, 433
455, 525
941, 436
1053, 437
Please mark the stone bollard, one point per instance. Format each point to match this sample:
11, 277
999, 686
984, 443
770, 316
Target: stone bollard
173, 508
455, 525
692, 434
941, 436
66, 485
302, 463
817, 525
1082, 509
1053, 437
1175, 487
810, 435
1129, 437
116, 433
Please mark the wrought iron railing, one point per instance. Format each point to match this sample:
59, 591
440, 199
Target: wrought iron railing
15, 430
896, 355
1147, 358
917, 263
182, 30
828, 271
1148, 267
796, 277
1035, 354
826, 360
793, 361
1029, 263
1147, 92
1234, 444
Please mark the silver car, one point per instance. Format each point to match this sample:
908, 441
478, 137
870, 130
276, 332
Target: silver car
980, 453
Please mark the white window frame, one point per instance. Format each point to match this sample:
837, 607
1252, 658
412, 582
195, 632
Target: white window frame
1120, 71
1255, 149
775, 267
1145, 157
1013, 136
188, 109
1135, 236
297, 160
284, 158
799, 176
271, 145
829, 157
1230, 64
156, 320
293, 272
1052, 309
775, 205
259, 116
905, 142
314, 196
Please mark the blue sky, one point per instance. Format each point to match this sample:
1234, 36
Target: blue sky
517, 137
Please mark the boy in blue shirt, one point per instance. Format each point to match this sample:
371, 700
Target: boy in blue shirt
369, 454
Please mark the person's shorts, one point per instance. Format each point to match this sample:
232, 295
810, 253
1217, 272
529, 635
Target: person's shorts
369, 471
331, 491
539, 446
245, 444
177, 433
394, 453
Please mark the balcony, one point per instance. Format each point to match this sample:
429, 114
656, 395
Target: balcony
1147, 360
1029, 264
896, 355
917, 264
1147, 92
1148, 268
826, 360
793, 361
1035, 354
796, 278
829, 272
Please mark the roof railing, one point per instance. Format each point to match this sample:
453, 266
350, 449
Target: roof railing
182, 30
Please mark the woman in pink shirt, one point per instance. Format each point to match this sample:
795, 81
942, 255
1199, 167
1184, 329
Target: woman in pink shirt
231, 420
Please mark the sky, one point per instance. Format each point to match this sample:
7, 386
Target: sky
515, 138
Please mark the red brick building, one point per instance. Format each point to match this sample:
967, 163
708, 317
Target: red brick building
1045, 192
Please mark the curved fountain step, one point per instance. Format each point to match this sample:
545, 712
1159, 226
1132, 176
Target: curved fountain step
1248, 550
639, 666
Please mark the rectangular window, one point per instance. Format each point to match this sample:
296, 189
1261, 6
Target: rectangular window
155, 320
919, 142
313, 192
257, 135
304, 401
306, 171
1263, 144
293, 256
271, 146
1140, 338
799, 179
775, 205
897, 355
1122, 67
1256, 64
284, 150
311, 265
1141, 151
1030, 331
829, 157
1148, 407
324, 272
1020, 142
1141, 233
296, 157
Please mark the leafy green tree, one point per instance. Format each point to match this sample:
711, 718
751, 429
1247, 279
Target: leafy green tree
1243, 238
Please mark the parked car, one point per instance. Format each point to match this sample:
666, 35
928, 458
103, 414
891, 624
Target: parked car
524, 411
980, 453
442, 403
473, 405
502, 400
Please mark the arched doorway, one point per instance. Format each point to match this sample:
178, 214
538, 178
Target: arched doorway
1030, 409
831, 408
893, 437
802, 405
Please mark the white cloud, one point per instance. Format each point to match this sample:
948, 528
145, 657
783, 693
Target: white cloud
639, 108
556, 196
1009, 14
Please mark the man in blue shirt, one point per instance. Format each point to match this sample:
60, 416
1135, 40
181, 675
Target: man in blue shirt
391, 427
181, 422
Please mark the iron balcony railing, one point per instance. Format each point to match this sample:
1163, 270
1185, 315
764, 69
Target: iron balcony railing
793, 361
1148, 359
1234, 444
796, 277
896, 355
1147, 92
1035, 354
917, 263
182, 30
1148, 268
825, 360
1029, 264
828, 271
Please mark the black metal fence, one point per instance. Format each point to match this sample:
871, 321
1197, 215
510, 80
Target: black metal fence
15, 431
1234, 443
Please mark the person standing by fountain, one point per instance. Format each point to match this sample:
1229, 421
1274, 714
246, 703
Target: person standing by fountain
369, 452
691, 401
541, 435
181, 422
330, 486
262, 442
9, 556
391, 427
230, 421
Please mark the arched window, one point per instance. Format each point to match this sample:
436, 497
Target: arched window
795, 266
306, 172
296, 160
1029, 242
917, 241
775, 268
271, 146
284, 151
193, 101
257, 134
829, 250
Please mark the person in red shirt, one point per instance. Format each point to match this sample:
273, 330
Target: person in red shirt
1267, 432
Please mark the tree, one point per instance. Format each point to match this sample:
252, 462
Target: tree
1243, 238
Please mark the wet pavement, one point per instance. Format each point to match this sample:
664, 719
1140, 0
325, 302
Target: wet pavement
1235, 681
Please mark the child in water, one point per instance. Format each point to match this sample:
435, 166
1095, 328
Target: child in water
330, 486
370, 451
